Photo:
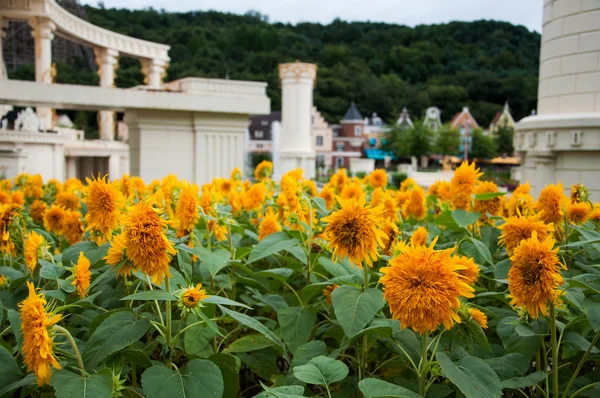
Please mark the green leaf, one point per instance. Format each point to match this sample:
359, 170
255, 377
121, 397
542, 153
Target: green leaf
478, 334
230, 370
196, 338
184, 260
51, 271
509, 366
138, 357
474, 377
213, 262
115, 333
309, 351
322, 371
281, 274
354, 309
296, 325
249, 343
199, 376
445, 219
527, 346
272, 244
71, 253
224, 301
374, 388
320, 204
464, 218
73, 385
159, 295
483, 250
591, 306
488, 195
253, 324
526, 381
9, 369
281, 392
28, 380
340, 269
15, 323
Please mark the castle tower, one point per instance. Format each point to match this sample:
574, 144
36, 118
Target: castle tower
562, 142
296, 148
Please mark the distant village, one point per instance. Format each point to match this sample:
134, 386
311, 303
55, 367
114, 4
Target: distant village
362, 137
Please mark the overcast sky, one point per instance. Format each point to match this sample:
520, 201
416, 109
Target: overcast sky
406, 12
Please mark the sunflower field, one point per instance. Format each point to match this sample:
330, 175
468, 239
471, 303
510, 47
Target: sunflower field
280, 289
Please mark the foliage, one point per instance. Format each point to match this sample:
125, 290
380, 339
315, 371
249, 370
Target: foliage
256, 158
447, 141
503, 137
244, 310
397, 178
382, 67
482, 145
415, 141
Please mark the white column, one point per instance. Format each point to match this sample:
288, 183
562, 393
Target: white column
296, 148
71, 167
114, 167
43, 34
154, 71
108, 62
3, 25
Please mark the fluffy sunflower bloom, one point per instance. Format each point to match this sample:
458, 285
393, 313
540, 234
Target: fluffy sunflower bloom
462, 185
54, 218
73, 227
7, 213
469, 269
116, 253
328, 195
423, 288
236, 174
104, 201
440, 189
520, 204
328, 290
192, 296
37, 210
33, 248
376, 197
4, 197
391, 235
254, 198
551, 202
595, 214
186, 210
339, 180
390, 211
579, 193
479, 317
407, 184
68, 200
416, 205
378, 178
269, 225
38, 347
17, 198
534, 275
516, 229
147, 246
263, 171
82, 275
309, 188
419, 237
353, 231
352, 190
492, 206
578, 212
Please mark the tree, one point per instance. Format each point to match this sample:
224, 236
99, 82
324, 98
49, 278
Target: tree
415, 141
503, 137
447, 141
482, 146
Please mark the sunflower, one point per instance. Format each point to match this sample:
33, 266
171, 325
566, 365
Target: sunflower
67, 200
390, 211
328, 195
139, 185
579, 212
423, 288
147, 246
33, 247
520, 204
309, 188
263, 171
479, 317
353, 231
492, 206
54, 218
376, 197
469, 269
516, 229
378, 178
328, 290
534, 275
339, 180
595, 214
522, 189
391, 235
186, 210
218, 229
73, 227
7, 213
37, 210
234, 199
82, 275
104, 201
236, 174
290, 190
17, 198
551, 202
192, 296
407, 184
269, 225
254, 198
38, 347
415, 206
4, 197
419, 237
117, 253
440, 189
352, 190
579, 193
462, 185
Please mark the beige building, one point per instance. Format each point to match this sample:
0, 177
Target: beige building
322, 135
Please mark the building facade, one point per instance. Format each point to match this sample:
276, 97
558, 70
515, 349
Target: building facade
348, 139
501, 119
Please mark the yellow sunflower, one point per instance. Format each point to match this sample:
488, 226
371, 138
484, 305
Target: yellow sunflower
73, 227
423, 288
82, 275
67, 200
419, 237
492, 206
391, 232
462, 185
353, 231
7, 213
328, 195
534, 275
551, 203
54, 218
117, 253
352, 190
33, 248
469, 269
263, 171
36, 327
192, 296
186, 210
17, 198
595, 214
104, 201
479, 317
516, 229
37, 210
254, 198
378, 178
269, 225
390, 211
407, 184
415, 206
328, 290
578, 212
520, 204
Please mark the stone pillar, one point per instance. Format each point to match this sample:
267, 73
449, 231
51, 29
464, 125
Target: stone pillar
3, 26
71, 167
43, 33
108, 62
562, 142
295, 145
154, 71
114, 167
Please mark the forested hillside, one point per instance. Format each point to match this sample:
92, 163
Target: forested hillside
382, 67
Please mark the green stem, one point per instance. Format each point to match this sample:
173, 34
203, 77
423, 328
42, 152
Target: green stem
554, 350
295, 293
582, 389
156, 302
580, 365
71, 341
181, 322
423, 365
169, 320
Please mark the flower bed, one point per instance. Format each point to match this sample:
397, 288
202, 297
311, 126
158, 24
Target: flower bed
272, 289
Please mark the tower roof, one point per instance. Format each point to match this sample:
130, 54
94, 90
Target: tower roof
352, 113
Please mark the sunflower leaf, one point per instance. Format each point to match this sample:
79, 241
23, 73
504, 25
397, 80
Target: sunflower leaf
354, 309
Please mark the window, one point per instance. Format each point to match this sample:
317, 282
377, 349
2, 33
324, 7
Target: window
462, 131
319, 140
339, 162
264, 122
357, 130
320, 160
259, 146
258, 134
339, 147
